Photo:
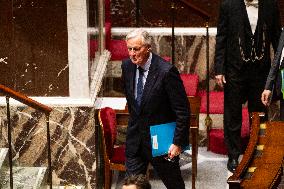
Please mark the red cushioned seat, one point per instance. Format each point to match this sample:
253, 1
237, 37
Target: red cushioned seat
108, 121
118, 155
93, 45
118, 49
190, 82
107, 11
245, 123
108, 42
216, 136
216, 100
216, 143
108, 34
114, 157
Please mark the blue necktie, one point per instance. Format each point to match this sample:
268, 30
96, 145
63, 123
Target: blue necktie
140, 86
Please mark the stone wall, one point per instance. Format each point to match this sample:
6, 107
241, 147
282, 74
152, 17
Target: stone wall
72, 142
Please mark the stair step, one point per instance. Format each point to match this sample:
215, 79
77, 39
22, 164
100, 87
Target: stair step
3, 154
68, 187
23, 177
217, 121
64, 187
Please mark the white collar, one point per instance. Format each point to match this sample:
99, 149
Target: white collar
146, 66
253, 3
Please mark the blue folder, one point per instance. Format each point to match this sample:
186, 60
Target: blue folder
162, 137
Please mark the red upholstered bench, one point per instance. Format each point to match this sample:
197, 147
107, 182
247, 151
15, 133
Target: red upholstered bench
190, 82
93, 46
215, 136
118, 49
216, 100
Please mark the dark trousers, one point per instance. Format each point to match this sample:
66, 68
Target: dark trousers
168, 171
246, 85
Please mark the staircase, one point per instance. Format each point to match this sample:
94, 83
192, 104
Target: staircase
25, 177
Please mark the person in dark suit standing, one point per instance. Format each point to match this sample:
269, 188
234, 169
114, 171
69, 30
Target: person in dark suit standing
274, 79
155, 95
245, 31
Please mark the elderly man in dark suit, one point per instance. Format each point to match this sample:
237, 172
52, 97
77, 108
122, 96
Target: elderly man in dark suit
274, 79
245, 31
155, 95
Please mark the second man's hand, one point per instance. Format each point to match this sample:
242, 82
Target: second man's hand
265, 97
220, 80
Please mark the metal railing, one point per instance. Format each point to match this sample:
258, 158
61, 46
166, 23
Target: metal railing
36, 105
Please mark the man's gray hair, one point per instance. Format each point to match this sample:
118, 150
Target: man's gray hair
145, 36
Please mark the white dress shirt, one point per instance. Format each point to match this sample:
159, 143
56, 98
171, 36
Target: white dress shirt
282, 56
146, 68
252, 14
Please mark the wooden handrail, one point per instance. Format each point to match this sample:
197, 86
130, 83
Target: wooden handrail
235, 179
201, 12
24, 99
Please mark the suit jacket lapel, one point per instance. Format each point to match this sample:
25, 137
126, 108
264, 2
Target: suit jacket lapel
245, 32
279, 49
132, 74
246, 19
150, 81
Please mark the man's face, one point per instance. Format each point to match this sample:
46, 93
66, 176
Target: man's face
129, 187
138, 52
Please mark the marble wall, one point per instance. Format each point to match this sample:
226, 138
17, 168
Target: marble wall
33, 42
72, 142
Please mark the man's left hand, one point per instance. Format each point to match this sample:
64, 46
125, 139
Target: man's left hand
265, 97
174, 150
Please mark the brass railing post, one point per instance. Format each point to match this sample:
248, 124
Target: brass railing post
208, 120
48, 150
173, 12
98, 154
10, 142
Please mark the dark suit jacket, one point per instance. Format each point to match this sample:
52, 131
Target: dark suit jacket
274, 77
164, 100
234, 33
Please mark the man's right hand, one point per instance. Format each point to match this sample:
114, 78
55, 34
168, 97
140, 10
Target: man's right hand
265, 97
220, 80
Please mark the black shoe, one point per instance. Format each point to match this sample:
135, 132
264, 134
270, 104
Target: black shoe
232, 164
